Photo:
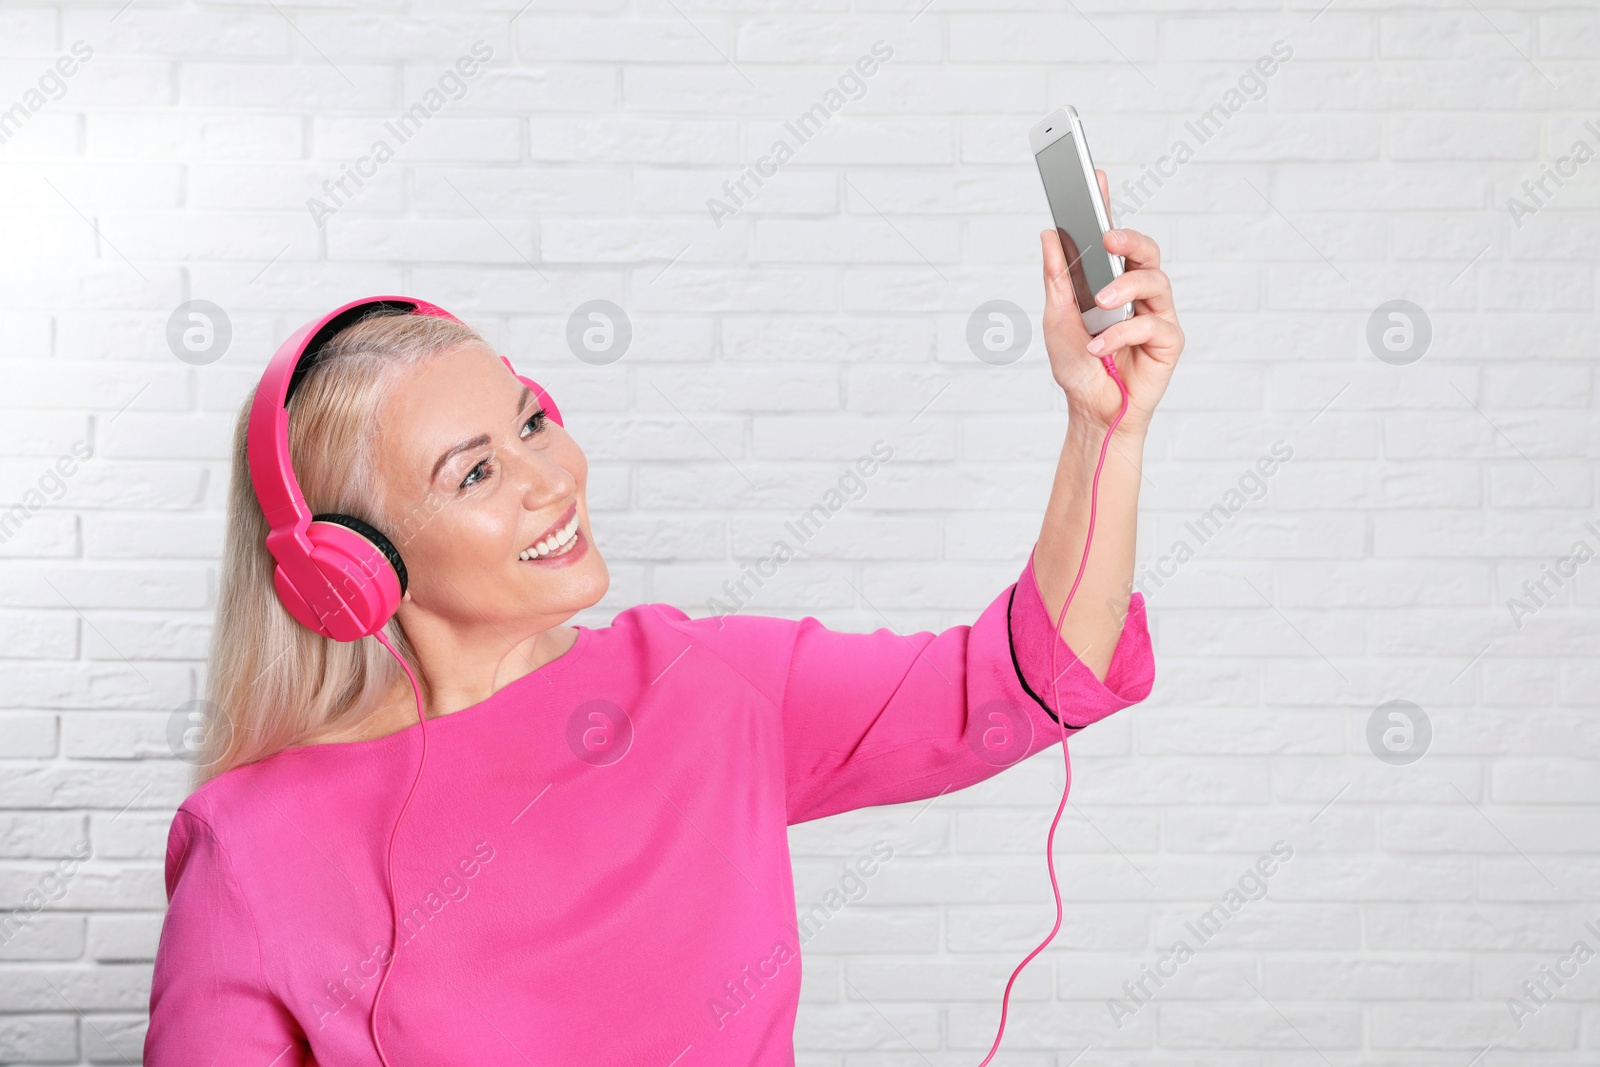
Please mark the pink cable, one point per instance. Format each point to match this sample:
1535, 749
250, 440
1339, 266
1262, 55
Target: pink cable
1055, 695
394, 909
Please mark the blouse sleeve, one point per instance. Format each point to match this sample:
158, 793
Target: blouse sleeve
885, 718
209, 1001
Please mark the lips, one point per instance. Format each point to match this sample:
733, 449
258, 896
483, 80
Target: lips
566, 517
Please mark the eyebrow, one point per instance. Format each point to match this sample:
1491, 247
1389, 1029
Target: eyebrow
478, 441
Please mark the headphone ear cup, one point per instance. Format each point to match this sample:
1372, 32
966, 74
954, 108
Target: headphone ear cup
295, 603
365, 571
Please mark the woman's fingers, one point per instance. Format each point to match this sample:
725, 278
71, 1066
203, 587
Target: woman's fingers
1139, 251
1152, 331
1151, 285
1105, 192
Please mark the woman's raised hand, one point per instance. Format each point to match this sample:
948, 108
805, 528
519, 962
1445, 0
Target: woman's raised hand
1145, 347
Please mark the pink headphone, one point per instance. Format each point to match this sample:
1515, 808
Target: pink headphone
336, 574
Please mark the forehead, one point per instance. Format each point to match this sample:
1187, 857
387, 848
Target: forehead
462, 382
443, 401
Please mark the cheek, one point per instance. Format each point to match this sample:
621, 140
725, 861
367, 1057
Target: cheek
465, 536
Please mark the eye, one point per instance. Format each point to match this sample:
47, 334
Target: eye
477, 474
485, 467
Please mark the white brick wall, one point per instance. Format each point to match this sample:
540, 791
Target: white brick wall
826, 313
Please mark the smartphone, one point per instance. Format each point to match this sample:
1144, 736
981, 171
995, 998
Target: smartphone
1080, 214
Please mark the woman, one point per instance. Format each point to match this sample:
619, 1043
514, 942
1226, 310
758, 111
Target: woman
594, 868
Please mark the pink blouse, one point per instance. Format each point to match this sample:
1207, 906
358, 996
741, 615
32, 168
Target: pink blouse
595, 867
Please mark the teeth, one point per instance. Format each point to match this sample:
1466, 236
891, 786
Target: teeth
554, 545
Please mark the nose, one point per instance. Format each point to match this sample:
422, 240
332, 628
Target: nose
537, 470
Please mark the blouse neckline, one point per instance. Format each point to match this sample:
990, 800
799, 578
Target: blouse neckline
556, 667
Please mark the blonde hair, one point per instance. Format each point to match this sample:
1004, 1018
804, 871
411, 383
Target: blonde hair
271, 682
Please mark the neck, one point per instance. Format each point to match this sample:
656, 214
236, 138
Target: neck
465, 682
455, 690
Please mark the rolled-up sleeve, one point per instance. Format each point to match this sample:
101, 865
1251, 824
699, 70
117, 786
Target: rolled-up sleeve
1087, 699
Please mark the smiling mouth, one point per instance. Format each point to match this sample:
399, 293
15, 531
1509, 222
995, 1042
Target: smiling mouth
555, 543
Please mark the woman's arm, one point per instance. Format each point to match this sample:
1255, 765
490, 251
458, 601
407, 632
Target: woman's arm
1145, 349
1098, 607
888, 717
209, 999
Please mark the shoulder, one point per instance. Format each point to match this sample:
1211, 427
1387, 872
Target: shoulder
728, 630
193, 841
222, 816
755, 648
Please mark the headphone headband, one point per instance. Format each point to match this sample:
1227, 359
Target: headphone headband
336, 574
312, 351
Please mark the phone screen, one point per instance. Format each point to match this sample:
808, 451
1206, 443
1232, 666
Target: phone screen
1087, 262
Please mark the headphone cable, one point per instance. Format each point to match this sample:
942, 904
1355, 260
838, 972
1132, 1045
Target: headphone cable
1060, 713
394, 908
